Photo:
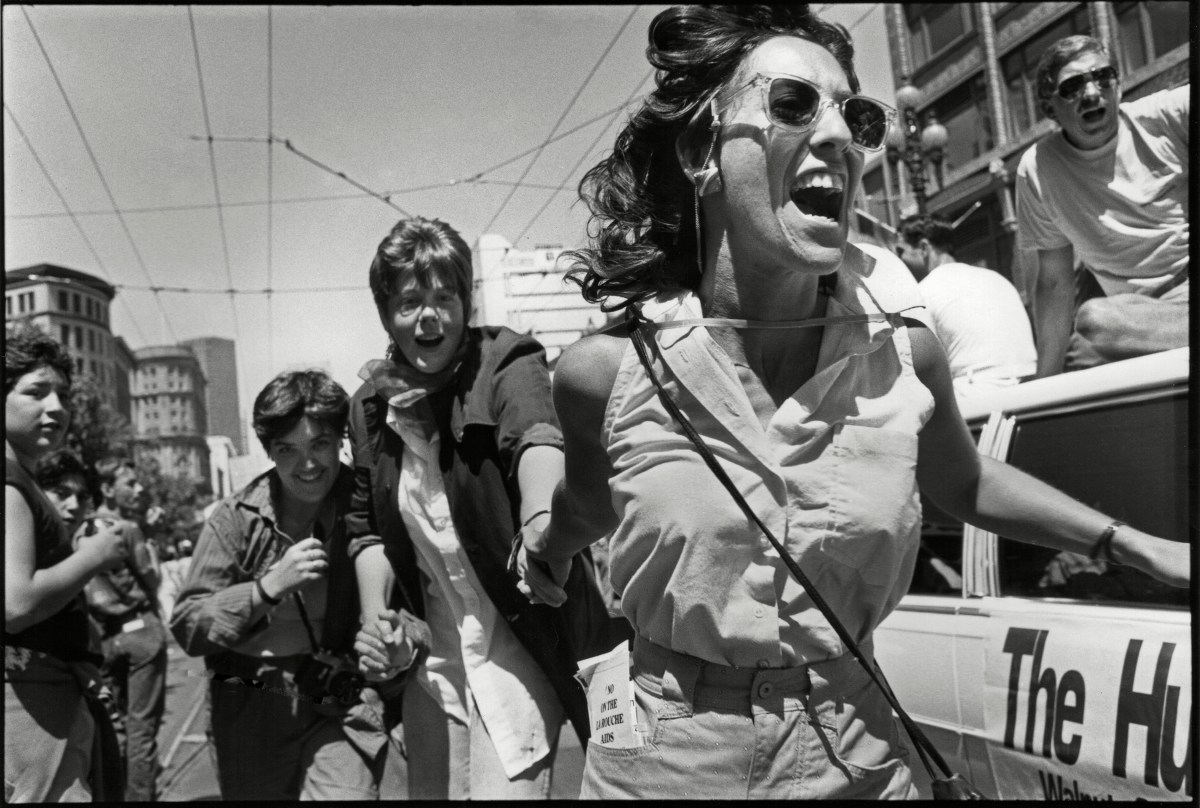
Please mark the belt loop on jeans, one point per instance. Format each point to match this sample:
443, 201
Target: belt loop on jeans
677, 673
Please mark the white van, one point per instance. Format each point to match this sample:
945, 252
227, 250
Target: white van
1042, 675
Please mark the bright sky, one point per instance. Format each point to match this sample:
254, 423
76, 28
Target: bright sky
409, 101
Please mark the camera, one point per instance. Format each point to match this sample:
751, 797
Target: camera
325, 675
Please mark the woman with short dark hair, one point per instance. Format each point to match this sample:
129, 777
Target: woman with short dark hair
55, 727
271, 603
456, 449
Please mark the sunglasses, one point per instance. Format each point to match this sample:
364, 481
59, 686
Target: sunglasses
1105, 77
796, 104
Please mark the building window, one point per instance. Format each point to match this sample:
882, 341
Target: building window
65, 332
79, 364
1020, 70
76, 303
92, 367
932, 27
91, 340
63, 304
78, 337
7, 306
965, 114
1144, 36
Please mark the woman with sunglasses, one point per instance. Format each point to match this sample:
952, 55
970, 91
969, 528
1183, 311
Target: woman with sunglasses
456, 449
721, 220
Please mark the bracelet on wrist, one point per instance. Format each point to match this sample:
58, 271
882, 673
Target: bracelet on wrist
1102, 549
535, 516
262, 593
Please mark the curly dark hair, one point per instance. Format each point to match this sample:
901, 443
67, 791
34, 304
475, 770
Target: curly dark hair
641, 201
27, 348
291, 396
59, 465
935, 229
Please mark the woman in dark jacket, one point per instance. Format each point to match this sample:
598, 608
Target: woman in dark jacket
456, 449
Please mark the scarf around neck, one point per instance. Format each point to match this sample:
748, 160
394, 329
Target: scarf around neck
407, 389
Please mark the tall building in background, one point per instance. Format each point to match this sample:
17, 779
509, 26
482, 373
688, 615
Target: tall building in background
218, 362
975, 64
526, 291
73, 307
170, 417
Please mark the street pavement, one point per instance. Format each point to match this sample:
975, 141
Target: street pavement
189, 771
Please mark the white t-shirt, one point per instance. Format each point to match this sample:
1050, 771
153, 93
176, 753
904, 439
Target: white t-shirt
978, 316
1123, 206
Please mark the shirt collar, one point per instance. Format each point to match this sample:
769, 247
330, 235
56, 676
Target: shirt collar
850, 296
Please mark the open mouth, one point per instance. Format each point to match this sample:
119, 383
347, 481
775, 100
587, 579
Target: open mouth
819, 194
431, 341
1093, 115
309, 478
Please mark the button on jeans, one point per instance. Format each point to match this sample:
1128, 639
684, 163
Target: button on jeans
821, 731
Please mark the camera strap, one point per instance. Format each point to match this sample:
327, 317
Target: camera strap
925, 748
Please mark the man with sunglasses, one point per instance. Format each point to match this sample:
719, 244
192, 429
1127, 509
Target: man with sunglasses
1109, 190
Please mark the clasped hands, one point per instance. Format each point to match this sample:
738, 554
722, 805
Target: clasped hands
541, 580
383, 647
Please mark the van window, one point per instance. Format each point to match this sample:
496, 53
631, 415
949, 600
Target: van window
1125, 458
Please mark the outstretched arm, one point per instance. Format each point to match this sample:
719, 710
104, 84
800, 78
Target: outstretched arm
1053, 300
1006, 500
581, 509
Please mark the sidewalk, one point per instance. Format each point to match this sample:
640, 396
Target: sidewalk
189, 771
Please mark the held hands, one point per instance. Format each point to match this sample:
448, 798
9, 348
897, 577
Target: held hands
541, 581
383, 647
104, 540
304, 562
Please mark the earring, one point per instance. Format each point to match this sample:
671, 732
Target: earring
708, 179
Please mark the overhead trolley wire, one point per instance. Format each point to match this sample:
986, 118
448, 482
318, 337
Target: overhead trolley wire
270, 184
79, 226
191, 290
474, 179
570, 105
292, 200
569, 174
212, 164
99, 172
586, 152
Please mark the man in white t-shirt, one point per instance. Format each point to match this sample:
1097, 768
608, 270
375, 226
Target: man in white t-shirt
975, 312
1110, 190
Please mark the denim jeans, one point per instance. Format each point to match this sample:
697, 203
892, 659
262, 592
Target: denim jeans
449, 760
820, 731
135, 668
47, 734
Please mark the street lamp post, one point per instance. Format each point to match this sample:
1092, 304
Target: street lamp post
916, 146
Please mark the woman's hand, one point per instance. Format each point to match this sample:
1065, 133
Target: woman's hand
304, 562
1164, 560
541, 581
383, 647
107, 547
